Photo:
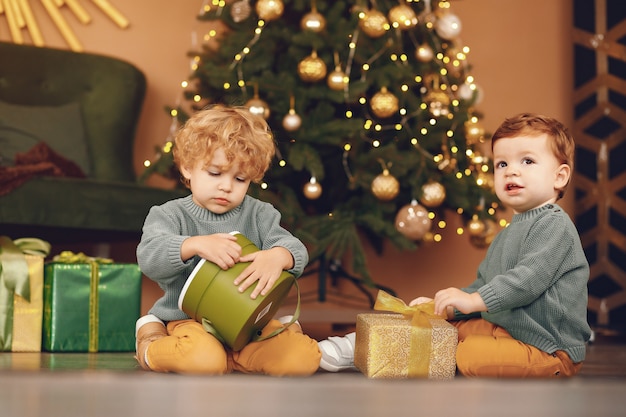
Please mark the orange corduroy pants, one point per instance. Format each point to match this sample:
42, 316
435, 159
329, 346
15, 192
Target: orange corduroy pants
488, 350
188, 348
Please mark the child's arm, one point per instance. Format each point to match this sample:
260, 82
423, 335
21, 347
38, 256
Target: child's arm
220, 248
450, 298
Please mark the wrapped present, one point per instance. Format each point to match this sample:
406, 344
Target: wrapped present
413, 342
21, 293
90, 304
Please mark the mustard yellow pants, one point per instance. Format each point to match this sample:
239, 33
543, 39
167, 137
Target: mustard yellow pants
488, 350
188, 348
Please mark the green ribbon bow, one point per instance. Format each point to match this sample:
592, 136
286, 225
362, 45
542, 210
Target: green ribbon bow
69, 257
14, 279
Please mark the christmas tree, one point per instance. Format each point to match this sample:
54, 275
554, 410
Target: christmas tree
372, 105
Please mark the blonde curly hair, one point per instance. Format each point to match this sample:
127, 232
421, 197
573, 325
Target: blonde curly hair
244, 137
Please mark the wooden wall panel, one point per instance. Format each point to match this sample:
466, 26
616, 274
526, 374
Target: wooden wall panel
599, 35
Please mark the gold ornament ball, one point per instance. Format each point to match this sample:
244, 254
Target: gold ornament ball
424, 53
402, 17
412, 221
292, 121
240, 10
385, 186
474, 131
313, 21
312, 190
384, 104
312, 68
483, 240
258, 107
476, 227
433, 194
438, 103
270, 9
374, 24
337, 80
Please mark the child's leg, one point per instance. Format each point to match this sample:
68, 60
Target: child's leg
147, 329
488, 350
188, 348
289, 353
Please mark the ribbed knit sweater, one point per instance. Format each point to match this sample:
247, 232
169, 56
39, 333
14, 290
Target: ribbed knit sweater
533, 281
168, 225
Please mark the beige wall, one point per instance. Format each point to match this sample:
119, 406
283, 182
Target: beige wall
520, 52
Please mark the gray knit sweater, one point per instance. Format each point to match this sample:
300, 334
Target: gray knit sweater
534, 282
168, 225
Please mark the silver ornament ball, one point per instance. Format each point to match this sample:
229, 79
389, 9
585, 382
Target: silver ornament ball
292, 121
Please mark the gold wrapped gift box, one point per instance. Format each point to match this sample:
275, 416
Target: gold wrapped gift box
27, 315
389, 346
21, 293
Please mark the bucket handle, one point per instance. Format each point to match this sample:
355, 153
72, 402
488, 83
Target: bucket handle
294, 318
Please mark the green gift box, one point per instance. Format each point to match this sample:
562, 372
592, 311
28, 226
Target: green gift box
91, 306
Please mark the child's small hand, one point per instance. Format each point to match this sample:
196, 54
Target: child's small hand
220, 248
455, 298
265, 268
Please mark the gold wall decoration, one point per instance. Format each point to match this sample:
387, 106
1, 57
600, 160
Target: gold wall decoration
22, 23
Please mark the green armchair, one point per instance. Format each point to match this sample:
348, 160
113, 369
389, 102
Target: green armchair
85, 108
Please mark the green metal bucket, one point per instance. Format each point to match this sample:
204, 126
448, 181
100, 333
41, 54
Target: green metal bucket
210, 297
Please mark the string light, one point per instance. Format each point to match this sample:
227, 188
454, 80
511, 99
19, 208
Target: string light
239, 57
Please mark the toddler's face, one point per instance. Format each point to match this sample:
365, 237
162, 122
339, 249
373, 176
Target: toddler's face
527, 174
217, 187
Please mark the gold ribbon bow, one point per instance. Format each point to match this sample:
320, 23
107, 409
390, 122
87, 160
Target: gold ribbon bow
14, 279
420, 349
70, 257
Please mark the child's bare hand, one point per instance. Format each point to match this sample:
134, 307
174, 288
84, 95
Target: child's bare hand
220, 248
462, 301
266, 267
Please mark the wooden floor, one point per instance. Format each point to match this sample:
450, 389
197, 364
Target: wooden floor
111, 385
